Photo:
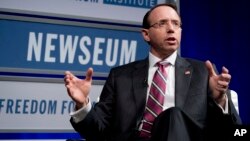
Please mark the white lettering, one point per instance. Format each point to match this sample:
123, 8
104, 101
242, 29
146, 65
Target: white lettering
240, 132
98, 51
111, 60
127, 52
237, 132
147, 3
34, 45
49, 48
84, 59
243, 131
67, 47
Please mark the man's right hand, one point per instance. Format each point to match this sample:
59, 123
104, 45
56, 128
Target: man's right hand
78, 89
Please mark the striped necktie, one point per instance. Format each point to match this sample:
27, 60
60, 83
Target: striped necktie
155, 100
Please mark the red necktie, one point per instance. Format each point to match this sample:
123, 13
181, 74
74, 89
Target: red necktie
155, 100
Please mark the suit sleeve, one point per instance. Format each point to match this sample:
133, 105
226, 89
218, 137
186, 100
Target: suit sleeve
221, 125
95, 126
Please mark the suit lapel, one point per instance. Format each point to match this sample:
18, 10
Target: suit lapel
183, 73
139, 81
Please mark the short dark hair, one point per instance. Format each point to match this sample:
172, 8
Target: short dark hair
145, 22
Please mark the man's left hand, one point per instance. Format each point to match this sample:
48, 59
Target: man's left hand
218, 83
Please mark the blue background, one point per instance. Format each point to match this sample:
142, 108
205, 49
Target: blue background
219, 30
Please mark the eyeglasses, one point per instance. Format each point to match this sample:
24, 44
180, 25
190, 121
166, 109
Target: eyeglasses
165, 23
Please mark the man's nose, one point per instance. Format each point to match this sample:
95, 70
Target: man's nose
170, 28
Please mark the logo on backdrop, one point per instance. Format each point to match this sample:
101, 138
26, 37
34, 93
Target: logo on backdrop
129, 3
133, 3
61, 48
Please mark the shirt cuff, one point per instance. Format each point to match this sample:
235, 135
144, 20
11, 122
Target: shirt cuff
225, 111
80, 114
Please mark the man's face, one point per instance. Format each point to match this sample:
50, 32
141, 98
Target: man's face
164, 35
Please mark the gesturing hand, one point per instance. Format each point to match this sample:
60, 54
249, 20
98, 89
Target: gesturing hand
218, 83
78, 89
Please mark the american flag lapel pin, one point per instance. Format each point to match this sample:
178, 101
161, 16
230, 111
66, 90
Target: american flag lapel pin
187, 72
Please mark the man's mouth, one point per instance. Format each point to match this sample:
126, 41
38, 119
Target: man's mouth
171, 40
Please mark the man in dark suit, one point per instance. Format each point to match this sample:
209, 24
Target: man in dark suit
197, 102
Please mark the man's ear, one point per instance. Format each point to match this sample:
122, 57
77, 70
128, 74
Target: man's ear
145, 35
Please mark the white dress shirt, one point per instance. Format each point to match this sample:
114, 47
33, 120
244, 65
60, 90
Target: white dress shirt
169, 100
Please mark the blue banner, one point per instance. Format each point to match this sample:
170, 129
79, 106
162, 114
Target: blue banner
42, 46
133, 3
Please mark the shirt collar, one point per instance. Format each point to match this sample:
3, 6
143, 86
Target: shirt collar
153, 59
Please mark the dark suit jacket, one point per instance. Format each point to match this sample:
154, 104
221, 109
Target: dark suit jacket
117, 116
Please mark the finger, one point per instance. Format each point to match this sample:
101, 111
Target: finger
67, 72
68, 75
225, 77
221, 87
68, 79
210, 68
222, 90
225, 74
89, 74
223, 84
225, 70
67, 82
